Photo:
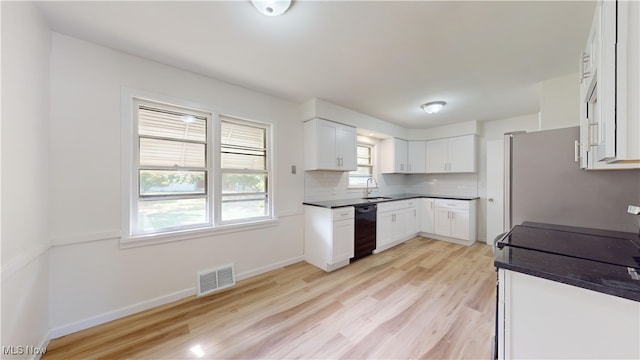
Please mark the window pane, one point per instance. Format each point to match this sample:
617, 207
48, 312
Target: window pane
243, 160
156, 215
364, 155
244, 207
243, 183
168, 124
161, 182
242, 135
155, 152
359, 181
362, 171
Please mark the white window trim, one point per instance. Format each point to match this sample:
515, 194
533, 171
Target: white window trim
128, 151
269, 166
373, 168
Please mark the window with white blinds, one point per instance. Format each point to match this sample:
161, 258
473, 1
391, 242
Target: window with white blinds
177, 185
245, 170
358, 178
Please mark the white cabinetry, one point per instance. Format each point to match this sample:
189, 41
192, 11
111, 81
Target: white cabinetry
455, 220
609, 89
543, 319
427, 213
329, 146
394, 156
456, 154
403, 157
329, 236
417, 157
396, 223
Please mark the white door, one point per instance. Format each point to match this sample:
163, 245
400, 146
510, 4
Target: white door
343, 245
437, 157
384, 229
416, 157
427, 214
495, 189
442, 224
328, 140
347, 143
460, 224
462, 154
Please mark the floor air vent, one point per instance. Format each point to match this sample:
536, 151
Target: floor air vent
215, 279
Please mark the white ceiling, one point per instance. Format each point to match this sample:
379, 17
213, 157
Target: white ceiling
384, 59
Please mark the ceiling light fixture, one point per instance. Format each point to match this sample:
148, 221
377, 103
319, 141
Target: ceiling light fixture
433, 107
272, 7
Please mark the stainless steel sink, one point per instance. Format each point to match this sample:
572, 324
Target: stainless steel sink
376, 198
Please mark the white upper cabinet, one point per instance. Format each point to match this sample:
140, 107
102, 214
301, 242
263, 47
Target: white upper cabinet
456, 154
329, 146
417, 157
394, 156
609, 89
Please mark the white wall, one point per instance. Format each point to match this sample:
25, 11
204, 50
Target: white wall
26, 47
92, 279
559, 102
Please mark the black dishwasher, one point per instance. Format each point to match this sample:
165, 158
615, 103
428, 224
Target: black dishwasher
365, 231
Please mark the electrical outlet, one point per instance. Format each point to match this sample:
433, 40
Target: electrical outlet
633, 210
293, 169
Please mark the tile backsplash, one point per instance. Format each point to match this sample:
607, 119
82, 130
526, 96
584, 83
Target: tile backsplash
334, 185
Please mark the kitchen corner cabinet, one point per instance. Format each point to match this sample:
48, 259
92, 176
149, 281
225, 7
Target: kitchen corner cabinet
455, 219
329, 236
455, 155
543, 319
402, 156
396, 223
329, 146
427, 214
609, 89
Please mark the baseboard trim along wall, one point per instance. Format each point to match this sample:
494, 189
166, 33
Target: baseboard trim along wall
149, 304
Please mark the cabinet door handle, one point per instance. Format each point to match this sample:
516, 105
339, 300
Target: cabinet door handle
584, 66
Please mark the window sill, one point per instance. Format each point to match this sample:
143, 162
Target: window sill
154, 239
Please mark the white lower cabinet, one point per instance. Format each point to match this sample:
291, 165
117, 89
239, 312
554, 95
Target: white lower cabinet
396, 223
543, 319
452, 220
427, 214
329, 236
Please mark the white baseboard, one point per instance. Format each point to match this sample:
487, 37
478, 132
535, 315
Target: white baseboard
43, 345
119, 313
448, 239
149, 304
264, 269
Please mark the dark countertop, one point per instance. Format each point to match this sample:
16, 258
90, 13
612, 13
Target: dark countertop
359, 201
593, 259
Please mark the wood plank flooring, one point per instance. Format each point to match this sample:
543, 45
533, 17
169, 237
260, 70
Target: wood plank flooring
422, 299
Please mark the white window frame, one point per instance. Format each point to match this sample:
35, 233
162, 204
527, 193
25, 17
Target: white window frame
372, 152
267, 171
130, 98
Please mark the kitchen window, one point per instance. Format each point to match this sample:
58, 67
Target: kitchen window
358, 178
190, 169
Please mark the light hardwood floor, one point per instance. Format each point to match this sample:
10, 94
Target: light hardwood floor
422, 299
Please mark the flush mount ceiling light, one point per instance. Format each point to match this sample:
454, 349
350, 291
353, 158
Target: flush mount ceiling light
433, 107
272, 7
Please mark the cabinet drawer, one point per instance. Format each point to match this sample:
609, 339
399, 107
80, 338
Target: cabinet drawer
342, 213
395, 205
452, 204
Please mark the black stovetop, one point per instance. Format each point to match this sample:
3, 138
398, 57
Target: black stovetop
595, 259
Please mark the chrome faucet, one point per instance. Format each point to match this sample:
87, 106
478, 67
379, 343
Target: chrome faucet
367, 191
